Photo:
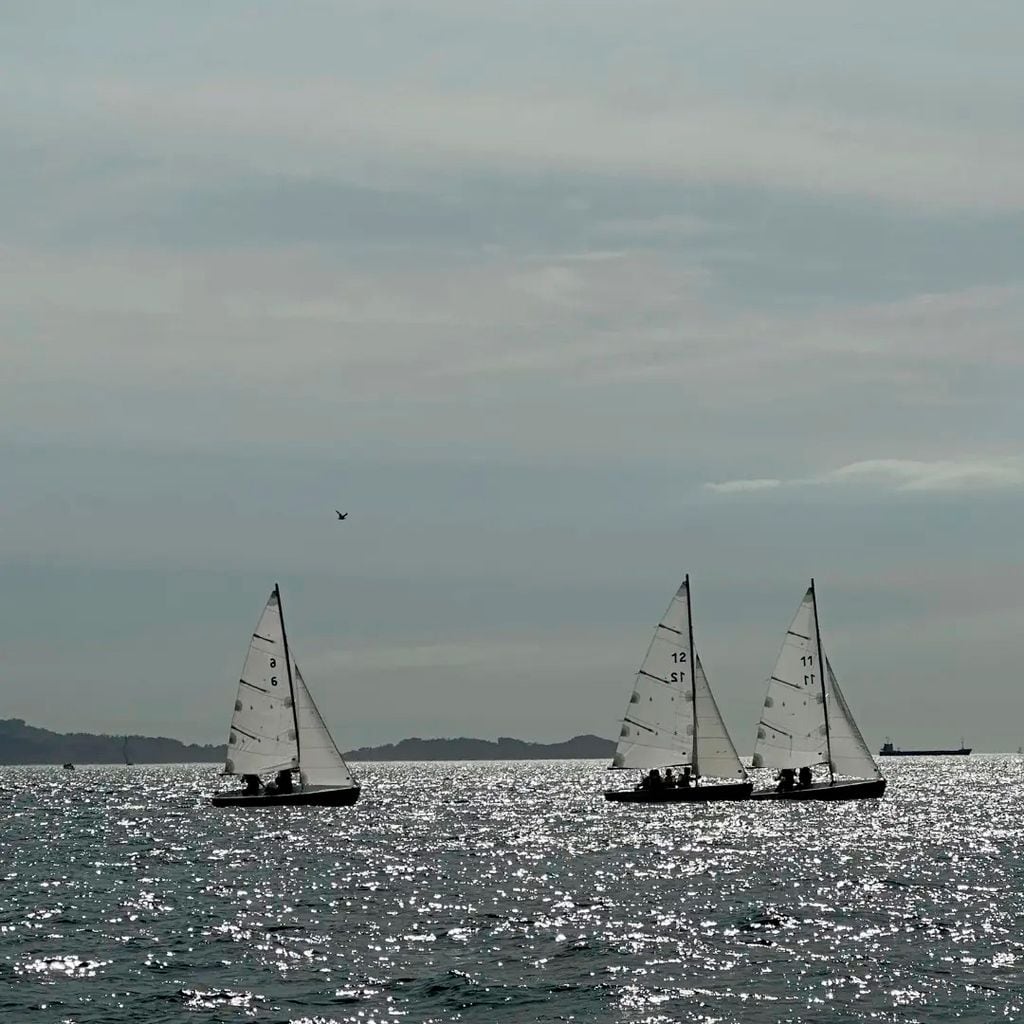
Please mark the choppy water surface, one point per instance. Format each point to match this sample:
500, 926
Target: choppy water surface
510, 892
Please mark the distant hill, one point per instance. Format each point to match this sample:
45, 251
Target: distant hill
26, 744
503, 749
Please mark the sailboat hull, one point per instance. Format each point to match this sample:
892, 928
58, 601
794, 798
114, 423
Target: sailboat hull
342, 797
693, 794
856, 789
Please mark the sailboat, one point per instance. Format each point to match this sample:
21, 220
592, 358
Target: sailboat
277, 728
672, 720
124, 752
806, 722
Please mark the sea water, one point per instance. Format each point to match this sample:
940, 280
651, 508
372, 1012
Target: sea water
510, 891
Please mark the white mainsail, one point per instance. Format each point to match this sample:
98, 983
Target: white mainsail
798, 728
262, 737
320, 761
791, 733
662, 718
850, 754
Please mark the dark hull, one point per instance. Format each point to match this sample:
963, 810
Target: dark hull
694, 794
858, 789
314, 798
961, 752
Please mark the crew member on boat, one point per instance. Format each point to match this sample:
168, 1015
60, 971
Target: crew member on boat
685, 779
786, 779
282, 782
804, 778
252, 785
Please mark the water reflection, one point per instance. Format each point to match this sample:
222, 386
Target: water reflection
510, 891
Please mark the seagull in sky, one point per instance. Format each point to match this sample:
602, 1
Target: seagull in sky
342, 515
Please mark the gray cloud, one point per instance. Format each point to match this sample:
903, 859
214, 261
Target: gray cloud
302, 125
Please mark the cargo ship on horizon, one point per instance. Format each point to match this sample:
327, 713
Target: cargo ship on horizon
888, 750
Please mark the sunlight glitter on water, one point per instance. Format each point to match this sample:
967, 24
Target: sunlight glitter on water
511, 891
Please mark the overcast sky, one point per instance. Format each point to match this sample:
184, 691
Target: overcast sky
560, 301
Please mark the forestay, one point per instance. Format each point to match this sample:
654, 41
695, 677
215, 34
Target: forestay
320, 761
657, 729
262, 737
850, 754
792, 731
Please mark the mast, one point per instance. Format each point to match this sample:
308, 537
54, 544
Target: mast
291, 683
821, 676
693, 681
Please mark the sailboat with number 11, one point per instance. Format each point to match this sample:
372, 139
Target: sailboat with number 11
807, 723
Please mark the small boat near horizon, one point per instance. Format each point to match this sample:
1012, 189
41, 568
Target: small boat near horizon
277, 728
888, 750
806, 723
672, 720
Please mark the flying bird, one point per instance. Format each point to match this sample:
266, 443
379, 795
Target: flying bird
342, 515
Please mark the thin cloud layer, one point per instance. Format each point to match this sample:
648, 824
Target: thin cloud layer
942, 475
303, 126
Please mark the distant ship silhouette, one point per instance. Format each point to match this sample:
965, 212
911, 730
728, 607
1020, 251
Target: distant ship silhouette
888, 750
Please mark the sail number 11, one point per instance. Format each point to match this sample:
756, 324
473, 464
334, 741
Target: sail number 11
807, 660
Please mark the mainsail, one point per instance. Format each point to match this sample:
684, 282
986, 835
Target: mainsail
320, 761
791, 733
672, 717
806, 720
263, 737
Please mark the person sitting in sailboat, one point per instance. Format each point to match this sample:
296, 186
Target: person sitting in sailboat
786, 779
804, 778
252, 785
282, 782
685, 779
